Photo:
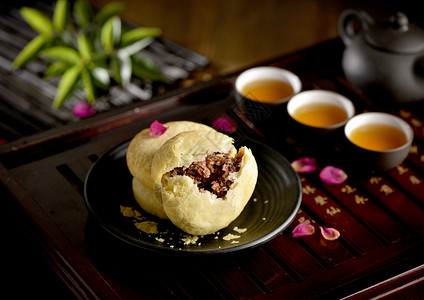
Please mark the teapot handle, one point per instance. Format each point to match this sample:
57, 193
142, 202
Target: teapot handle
347, 28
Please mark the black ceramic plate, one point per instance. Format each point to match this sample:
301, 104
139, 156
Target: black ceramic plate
273, 206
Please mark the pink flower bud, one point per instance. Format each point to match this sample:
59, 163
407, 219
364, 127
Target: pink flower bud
83, 110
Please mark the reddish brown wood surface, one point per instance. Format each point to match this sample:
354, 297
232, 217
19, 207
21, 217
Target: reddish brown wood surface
380, 215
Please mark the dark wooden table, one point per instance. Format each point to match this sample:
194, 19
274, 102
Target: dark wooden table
380, 215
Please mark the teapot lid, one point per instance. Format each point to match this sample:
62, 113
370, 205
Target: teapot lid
397, 35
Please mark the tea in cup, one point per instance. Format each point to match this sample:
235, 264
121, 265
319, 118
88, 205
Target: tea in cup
380, 140
269, 85
320, 109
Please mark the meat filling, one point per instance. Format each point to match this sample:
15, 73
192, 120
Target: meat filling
212, 174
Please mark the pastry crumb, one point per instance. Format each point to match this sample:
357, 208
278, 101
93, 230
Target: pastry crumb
230, 236
151, 229
189, 239
240, 230
130, 212
147, 226
127, 211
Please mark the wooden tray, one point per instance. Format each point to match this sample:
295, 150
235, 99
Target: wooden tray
380, 215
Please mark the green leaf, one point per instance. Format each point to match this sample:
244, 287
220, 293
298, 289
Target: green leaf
116, 32
37, 20
88, 86
115, 66
106, 35
100, 60
84, 47
82, 13
62, 53
125, 70
101, 76
108, 11
145, 69
66, 85
59, 15
135, 47
137, 34
56, 69
29, 51
110, 34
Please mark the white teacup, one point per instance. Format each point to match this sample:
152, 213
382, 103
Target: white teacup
322, 110
379, 140
277, 85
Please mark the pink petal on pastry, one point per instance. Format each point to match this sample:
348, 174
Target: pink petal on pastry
330, 234
303, 229
304, 165
333, 175
224, 124
83, 110
157, 128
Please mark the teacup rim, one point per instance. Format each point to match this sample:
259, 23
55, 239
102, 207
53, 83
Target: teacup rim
347, 106
404, 125
292, 78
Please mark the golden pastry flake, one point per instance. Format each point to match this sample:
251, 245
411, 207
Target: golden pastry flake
148, 227
127, 211
240, 230
230, 237
130, 212
190, 239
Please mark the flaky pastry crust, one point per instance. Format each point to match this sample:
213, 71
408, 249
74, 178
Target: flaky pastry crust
150, 200
143, 147
201, 212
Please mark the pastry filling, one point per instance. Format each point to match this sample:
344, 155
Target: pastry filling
213, 174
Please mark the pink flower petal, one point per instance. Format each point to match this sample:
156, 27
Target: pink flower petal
157, 128
303, 229
330, 234
333, 175
83, 110
224, 124
304, 165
